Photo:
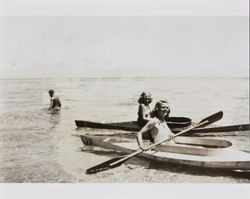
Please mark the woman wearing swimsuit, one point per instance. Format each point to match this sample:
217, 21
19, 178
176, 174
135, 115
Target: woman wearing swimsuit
144, 112
157, 126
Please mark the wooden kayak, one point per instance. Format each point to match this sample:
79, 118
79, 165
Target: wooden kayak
126, 126
198, 152
230, 128
133, 126
175, 124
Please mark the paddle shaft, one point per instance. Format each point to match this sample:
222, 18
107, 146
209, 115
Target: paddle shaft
158, 143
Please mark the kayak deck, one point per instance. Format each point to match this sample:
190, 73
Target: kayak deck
221, 158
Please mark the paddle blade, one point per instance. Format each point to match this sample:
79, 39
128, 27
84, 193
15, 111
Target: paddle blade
105, 165
211, 119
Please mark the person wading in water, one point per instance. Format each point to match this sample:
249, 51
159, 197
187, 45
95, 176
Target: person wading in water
55, 103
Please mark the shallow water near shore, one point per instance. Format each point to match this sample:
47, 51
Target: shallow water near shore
37, 146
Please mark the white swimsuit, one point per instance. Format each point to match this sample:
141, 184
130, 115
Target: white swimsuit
161, 131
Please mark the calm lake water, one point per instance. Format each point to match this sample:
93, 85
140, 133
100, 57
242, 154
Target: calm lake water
37, 146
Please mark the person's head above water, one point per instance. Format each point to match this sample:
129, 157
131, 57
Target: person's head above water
145, 98
161, 109
51, 92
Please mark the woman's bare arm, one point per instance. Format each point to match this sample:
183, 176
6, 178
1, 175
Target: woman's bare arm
147, 127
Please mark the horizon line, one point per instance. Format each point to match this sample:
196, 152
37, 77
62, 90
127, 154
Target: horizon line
129, 77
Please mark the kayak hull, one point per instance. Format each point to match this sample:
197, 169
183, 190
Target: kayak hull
126, 126
133, 126
230, 128
176, 124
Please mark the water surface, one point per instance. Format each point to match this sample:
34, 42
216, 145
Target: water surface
37, 146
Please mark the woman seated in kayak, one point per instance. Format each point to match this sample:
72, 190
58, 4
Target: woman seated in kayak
157, 126
144, 111
55, 103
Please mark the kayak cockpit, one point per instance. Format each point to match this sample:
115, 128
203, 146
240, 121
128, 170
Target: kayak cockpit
190, 146
205, 142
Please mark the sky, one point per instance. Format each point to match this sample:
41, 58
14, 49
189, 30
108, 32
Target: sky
181, 39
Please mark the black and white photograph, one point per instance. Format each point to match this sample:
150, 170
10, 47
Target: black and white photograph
133, 95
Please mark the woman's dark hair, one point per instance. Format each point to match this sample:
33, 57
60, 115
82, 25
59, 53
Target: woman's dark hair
157, 107
51, 91
142, 97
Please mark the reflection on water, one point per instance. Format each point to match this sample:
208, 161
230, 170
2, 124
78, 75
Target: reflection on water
54, 118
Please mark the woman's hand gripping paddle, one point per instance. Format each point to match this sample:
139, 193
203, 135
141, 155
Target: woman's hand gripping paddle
117, 161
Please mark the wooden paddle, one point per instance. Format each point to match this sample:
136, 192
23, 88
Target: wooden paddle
117, 161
